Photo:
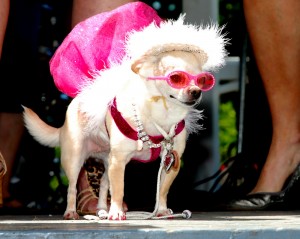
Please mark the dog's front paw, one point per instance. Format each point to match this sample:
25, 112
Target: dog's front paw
116, 214
71, 215
165, 212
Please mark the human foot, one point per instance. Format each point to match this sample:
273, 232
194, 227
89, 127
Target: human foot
281, 163
88, 186
280, 200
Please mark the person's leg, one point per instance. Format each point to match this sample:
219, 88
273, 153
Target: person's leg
274, 31
83, 9
4, 12
11, 131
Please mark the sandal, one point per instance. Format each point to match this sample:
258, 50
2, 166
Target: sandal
88, 186
3, 170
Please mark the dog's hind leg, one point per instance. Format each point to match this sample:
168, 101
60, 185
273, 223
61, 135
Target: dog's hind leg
103, 194
72, 162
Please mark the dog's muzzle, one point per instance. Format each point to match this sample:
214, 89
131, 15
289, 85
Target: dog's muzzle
191, 96
194, 93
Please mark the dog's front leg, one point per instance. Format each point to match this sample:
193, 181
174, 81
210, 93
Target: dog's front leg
116, 172
167, 177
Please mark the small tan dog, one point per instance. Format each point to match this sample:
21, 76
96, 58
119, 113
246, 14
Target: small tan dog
141, 108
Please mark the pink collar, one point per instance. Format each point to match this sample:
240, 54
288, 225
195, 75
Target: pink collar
129, 132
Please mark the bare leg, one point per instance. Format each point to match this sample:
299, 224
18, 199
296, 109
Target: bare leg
11, 131
4, 12
83, 9
274, 31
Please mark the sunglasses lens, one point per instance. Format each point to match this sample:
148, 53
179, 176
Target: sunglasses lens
178, 79
206, 81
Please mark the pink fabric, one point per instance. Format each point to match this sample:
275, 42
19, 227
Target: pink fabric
93, 43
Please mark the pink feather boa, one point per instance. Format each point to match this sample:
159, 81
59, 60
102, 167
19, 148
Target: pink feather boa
95, 42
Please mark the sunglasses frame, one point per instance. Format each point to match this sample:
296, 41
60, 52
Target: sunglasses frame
190, 77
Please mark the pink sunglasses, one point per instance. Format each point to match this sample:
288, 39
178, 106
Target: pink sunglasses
181, 79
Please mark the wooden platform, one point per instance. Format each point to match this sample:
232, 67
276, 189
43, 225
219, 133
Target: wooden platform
220, 225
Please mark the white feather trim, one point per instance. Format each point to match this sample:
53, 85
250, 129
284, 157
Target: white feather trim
206, 42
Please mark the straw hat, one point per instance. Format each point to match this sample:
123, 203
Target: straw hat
206, 42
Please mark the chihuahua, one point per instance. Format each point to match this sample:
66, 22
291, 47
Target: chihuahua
141, 108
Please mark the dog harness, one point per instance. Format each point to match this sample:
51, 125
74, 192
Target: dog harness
129, 132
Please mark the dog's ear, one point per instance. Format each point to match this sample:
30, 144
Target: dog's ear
138, 64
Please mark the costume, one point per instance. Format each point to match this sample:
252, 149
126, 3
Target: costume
96, 42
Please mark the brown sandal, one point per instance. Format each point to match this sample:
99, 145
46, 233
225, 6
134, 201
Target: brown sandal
3, 170
88, 186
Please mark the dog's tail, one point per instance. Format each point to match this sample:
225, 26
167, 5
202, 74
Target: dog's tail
41, 132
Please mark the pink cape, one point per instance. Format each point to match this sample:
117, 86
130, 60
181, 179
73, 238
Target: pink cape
95, 42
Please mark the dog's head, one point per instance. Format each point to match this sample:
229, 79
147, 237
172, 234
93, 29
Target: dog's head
175, 75
176, 58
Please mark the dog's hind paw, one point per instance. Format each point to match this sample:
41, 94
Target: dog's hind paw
102, 214
71, 215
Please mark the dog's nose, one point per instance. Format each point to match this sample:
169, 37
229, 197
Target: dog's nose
194, 92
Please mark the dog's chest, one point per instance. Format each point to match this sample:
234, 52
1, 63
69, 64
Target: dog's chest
145, 155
